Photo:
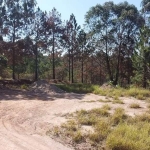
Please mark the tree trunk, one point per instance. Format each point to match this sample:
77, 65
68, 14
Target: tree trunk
53, 51
36, 63
72, 67
92, 70
118, 65
107, 60
82, 66
18, 76
14, 32
13, 73
72, 63
69, 67
144, 72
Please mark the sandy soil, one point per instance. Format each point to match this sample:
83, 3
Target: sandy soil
26, 116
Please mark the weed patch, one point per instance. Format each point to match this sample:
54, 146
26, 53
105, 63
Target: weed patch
134, 105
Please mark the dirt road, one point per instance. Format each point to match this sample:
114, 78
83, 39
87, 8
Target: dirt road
25, 117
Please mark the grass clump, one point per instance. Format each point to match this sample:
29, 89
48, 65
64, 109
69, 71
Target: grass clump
119, 116
91, 117
101, 111
129, 137
87, 120
70, 126
138, 93
134, 105
142, 118
101, 131
78, 137
117, 100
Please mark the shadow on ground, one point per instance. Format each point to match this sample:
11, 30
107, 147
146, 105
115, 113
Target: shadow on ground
9, 94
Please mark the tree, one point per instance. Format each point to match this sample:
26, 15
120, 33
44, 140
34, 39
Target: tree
37, 35
82, 43
99, 23
74, 31
54, 30
115, 27
18, 16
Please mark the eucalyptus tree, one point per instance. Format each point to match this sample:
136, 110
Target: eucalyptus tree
100, 26
128, 22
115, 27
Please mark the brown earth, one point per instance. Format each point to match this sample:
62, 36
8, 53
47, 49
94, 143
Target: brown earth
26, 116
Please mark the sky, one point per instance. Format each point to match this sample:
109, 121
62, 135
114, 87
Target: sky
77, 7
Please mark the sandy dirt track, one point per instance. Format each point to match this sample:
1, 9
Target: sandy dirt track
26, 116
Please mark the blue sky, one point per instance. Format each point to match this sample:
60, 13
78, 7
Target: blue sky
77, 7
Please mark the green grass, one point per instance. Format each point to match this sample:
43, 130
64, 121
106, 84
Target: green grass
91, 117
138, 93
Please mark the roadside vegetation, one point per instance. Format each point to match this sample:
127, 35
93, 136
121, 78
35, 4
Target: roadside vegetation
115, 92
99, 129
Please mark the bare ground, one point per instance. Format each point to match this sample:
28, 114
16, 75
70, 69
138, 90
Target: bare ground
26, 116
